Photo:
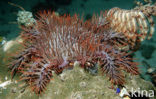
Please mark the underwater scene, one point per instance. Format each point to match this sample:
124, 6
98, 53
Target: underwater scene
77, 49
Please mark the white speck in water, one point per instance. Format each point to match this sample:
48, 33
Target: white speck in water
6, 78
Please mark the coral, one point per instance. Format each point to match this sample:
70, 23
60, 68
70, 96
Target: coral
25, 18
68, 86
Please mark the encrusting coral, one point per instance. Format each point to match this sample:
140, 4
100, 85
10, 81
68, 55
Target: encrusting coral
55, 43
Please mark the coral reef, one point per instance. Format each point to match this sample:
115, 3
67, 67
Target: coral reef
55, 43
76, 84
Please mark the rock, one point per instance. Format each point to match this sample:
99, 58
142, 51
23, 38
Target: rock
83, 84
14, 90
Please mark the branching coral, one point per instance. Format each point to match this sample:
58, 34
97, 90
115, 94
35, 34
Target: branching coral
54, 43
